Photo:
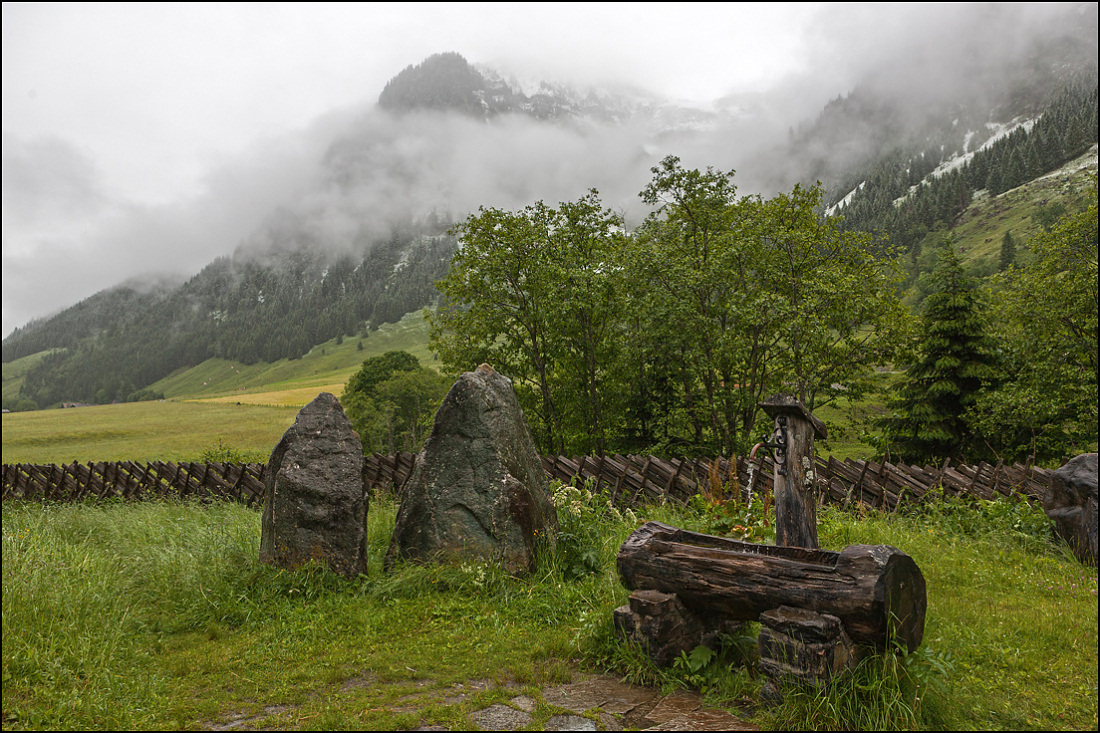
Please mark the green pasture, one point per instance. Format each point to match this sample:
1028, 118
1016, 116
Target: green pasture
324, 365
158, 615
180, 429
981, 228
217, 403
142, 431
13, 373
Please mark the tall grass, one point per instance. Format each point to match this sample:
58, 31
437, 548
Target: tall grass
159, 615
87, 589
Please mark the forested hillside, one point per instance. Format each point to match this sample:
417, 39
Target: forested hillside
905, 196
247, 308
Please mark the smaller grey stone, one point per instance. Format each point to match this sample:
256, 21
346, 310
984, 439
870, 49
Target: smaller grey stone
500, 717
315, 502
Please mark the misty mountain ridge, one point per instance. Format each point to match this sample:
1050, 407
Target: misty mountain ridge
367, 241
446, 82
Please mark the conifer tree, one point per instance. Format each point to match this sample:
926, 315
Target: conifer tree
955, 359
1008, 251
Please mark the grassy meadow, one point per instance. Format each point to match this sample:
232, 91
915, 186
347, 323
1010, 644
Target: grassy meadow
158, 615
326, 366
981, 228
217, 403
142, 431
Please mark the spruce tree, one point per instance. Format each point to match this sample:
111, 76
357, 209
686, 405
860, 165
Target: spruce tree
1008, 251
955, 358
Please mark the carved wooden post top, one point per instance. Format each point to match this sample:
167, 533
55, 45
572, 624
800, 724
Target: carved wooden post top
789, 405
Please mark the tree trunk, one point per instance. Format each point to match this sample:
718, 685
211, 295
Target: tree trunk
865, 586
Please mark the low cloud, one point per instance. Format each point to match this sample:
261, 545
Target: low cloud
353, 173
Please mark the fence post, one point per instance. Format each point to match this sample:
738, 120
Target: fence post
795, 461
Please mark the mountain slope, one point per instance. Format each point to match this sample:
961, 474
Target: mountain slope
243, 309
365, 244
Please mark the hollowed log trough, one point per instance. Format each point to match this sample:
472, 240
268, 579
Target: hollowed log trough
877, 591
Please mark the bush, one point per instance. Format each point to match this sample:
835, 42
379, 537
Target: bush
584, 521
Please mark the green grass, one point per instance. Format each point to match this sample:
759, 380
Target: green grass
158, 615
982, 226
248, 408
142, 431
1013, 614
850, 421
324, 365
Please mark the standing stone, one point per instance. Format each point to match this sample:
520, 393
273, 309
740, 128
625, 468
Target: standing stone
478, 491
315, 502
1071, 503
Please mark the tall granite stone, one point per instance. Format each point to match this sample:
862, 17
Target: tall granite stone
1071, 503
315, 503
478, 491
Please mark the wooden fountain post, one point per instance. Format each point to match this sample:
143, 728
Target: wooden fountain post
793, 446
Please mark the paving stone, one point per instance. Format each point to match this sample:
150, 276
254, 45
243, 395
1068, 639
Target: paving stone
618, 697
610, 722
603, 692
570, 722
675, 705
576, 697
617, 704
705, 719
500, 717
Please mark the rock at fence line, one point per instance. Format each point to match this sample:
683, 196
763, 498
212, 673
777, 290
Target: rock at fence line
662, 625
802, 648
478, 491
1071, 502
315, 505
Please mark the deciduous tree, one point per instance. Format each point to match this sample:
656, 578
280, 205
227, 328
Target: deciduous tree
1046, 327
531, 292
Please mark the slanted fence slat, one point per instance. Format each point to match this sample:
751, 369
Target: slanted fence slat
628, 480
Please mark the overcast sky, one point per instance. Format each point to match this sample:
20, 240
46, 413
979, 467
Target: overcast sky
134, 117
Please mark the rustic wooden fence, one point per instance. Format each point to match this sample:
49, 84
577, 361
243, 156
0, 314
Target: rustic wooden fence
241, 482
886, 485
629, 480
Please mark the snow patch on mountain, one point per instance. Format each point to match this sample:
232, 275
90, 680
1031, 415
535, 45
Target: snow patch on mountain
999, 130
830, 211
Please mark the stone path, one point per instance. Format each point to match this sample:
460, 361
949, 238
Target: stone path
605, 703
590, 702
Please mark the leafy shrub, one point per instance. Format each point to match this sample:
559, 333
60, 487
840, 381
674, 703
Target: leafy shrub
745, 521
987, 517
722, 511
584, 521
728, 670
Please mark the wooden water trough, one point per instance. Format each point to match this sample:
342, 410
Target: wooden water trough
877, 591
